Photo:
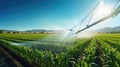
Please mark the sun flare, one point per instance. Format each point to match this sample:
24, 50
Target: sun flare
103, 10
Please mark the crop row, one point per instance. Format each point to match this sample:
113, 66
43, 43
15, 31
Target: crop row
112, 56
40, 58
99, 51
23, 37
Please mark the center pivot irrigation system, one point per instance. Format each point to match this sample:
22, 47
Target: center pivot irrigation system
115, 12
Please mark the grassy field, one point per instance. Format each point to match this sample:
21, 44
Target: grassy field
100, 51
22, 37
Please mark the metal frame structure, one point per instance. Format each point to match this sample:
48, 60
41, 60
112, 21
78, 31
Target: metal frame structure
114, 13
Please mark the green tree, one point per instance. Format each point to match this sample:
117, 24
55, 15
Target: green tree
1, 31
14, 32
8, 32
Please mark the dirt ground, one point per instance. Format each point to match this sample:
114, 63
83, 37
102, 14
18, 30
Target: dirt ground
7, 61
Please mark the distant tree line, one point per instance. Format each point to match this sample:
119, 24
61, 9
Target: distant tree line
17, 32
114, 32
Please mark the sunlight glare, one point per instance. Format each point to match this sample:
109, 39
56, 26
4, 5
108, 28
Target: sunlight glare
103, 10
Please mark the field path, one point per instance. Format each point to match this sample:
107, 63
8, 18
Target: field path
6, 60
9, 59
99, 60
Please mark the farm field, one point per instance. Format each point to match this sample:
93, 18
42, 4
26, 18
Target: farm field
45, 50
60, 33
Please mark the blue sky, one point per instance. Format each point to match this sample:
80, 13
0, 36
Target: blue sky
46, 14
